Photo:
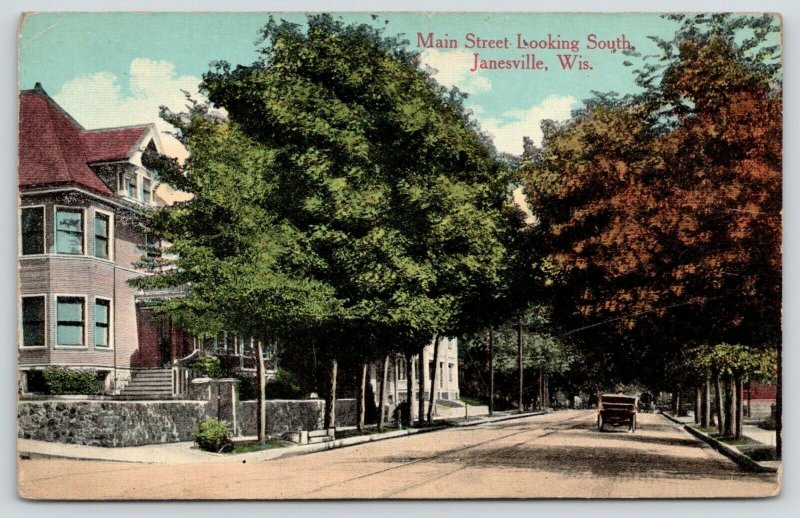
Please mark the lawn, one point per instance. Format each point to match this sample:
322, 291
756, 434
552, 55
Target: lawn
248, 447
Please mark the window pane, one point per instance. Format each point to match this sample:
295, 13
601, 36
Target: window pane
32, 309
32, 321
101, 313
69, 334
131, 181
69, 220
32, 231
101, 336
70, 310
101, 225
101, 236
69, 232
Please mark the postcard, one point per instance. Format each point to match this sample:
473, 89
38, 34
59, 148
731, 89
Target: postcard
285, 256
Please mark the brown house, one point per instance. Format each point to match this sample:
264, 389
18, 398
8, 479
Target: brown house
82, 193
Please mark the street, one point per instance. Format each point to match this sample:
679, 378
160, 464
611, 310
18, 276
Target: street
557, 455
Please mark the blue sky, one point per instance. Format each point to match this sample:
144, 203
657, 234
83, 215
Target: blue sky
111, 69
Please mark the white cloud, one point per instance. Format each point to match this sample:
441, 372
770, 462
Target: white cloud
451, 68
508, 131
96, 100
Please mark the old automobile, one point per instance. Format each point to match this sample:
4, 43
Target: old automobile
617, 410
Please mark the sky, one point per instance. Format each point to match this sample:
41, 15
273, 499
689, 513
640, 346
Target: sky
111, 69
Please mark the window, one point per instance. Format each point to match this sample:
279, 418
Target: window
441, 374
450, 371
69, 231
32, 223
130, 185
102, 323
401, 369
146, 190
33, 321
101, 235
69, 318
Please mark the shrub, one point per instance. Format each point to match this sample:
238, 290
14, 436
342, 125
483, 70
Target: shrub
284, 386
212, 435
63, 381
248, 388
209, 366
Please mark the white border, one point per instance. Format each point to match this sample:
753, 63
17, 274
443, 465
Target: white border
781, 506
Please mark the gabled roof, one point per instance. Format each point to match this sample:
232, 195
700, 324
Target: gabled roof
55, 150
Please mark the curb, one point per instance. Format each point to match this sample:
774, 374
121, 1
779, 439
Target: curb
338, 443
732, 453
486, 420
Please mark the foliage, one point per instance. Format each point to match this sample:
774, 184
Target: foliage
660, 213
737, 360
283, 386
64, 381
369, 215
212, 435
208, 366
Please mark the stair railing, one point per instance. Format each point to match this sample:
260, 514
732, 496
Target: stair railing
182, 373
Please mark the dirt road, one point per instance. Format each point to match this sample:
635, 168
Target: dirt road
558, 455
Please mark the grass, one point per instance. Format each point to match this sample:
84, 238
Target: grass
473, 402
248, 447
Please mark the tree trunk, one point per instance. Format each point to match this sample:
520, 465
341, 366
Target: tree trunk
698, 403
547, 390
330, 398
362, 389
382, 390
520, 404
433, 378
421, 379
410, 397
491, 373
718, 404
540, 396
739, 406
262, 403
705, 414
677, 401
729, 404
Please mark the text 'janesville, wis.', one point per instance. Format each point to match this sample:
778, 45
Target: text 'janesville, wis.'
568, 60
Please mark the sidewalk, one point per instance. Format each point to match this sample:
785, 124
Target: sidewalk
188, 453
735, 453
750, 431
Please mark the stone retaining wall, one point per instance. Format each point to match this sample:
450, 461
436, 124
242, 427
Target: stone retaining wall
109, 423
98, 422
282, 416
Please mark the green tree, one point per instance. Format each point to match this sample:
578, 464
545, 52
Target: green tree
354, 181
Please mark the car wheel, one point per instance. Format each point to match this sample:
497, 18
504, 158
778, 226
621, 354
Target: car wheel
600, 423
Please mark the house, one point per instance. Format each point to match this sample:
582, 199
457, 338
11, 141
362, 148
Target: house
446, 375
81, 196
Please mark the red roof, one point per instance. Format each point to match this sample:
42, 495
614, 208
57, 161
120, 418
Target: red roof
55, 150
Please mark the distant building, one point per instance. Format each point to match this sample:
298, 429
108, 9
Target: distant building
446, 375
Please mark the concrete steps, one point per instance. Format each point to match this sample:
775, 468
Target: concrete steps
149, 383
310, 437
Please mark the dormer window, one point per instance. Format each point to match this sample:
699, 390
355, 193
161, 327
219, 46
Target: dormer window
130, 186
147, 188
